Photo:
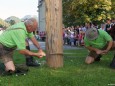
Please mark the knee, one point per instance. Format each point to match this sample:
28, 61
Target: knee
89, 60
11, 69
10, 66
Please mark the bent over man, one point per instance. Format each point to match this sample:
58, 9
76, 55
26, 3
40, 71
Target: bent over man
14, 38
98, 42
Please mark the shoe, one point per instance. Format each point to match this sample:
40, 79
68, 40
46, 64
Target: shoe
98, 58
33, 64
21, 69
8, 73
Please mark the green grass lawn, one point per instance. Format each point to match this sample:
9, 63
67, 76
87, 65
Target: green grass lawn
74, 73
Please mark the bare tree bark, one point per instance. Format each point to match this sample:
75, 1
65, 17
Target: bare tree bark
54, 41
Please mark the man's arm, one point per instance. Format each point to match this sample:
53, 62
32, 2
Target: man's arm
27, 52
91, 48
98, 51
35, 42
110, 43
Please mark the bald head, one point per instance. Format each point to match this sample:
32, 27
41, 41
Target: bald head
31, 24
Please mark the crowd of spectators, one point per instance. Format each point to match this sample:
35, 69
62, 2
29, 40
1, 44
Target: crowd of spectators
74, 36
40, 35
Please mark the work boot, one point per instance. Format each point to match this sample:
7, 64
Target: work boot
3, 72
98, 58
30, 60
8, 73
21, 69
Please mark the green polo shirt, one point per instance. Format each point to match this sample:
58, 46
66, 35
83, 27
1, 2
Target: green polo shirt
100, 42
15, 36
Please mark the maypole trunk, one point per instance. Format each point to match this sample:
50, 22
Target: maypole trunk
54, 42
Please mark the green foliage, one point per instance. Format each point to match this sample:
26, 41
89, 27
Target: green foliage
12, 20
84, 11
74, 73
113, 9
3, 24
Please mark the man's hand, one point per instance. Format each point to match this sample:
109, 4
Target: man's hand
99, 51
41, 53
105, 52
102, 52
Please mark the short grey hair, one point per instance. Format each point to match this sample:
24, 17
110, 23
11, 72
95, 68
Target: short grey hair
30, 21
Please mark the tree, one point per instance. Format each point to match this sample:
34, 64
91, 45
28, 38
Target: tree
86, 10
12, 20
54, 45
3, 24
113, 9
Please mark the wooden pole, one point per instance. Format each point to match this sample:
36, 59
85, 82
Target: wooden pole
54, 42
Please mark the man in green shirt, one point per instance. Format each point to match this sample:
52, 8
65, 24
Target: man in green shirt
14, 38
98, 42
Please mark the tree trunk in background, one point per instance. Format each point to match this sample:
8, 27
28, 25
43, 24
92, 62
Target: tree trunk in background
54, 41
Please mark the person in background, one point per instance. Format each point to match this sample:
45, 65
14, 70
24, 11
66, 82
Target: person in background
108, 26
112, 32
14, 38
76, 39
113, 22
102, 27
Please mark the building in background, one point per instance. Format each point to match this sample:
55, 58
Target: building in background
41, 15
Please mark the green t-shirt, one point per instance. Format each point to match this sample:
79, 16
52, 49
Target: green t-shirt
15, 36
100, 42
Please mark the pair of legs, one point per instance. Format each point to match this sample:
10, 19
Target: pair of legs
6, 55
93, 56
